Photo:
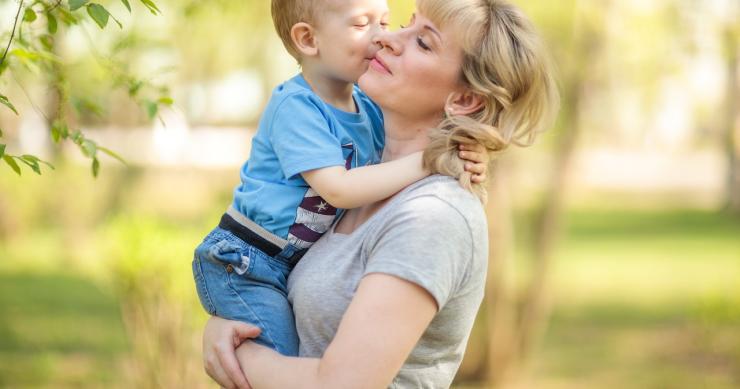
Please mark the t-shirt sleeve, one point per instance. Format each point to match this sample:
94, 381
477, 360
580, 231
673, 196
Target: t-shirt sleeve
426, 242
301, 136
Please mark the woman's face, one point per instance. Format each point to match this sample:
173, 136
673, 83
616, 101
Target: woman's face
415, 71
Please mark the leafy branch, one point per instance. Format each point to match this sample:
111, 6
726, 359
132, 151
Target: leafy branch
35, 51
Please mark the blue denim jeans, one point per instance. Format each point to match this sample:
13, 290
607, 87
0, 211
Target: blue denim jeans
237, 281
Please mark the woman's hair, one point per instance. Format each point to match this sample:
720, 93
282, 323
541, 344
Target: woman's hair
504, 63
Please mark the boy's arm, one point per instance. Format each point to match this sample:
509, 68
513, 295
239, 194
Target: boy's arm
365, 185
353, 188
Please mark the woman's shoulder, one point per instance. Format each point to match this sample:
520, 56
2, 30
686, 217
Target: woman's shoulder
441, 192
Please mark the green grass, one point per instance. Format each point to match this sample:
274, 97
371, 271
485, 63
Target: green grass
57, 330
643, 299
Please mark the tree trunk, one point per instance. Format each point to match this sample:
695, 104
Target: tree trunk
730, 120
501, 355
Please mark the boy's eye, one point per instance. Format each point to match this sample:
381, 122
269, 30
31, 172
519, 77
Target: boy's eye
363, 22
421, 44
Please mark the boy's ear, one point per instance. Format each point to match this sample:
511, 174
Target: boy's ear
463, 103
304, 39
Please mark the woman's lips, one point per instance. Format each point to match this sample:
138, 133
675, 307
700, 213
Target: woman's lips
379, 66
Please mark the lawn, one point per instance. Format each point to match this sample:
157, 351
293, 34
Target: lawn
643, 299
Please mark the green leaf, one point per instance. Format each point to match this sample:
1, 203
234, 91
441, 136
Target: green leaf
151, 109
89, 148
13, 165
48, 164
51, 23
165, 101
84, 105
47, 41
77, 137
4, 101
95, 167
2, 150
134, 87
76, 4
29, 15
99, 14
67, 17
127, 4
59, 131
32, 162
117, 22
112, 154
151, 6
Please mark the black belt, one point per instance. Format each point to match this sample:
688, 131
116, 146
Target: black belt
242, 232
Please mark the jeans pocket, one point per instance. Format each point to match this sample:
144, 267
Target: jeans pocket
225, 253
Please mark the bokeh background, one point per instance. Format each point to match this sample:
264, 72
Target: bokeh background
615, 259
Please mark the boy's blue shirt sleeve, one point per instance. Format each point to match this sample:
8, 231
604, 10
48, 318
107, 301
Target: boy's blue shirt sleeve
302, 137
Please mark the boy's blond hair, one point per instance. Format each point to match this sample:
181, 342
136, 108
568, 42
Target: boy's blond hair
286, 13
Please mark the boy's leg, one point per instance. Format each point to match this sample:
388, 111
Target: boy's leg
257, 296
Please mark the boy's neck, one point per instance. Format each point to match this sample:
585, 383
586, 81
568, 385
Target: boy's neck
332, 91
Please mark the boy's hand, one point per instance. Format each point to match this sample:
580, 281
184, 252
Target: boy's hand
477, 160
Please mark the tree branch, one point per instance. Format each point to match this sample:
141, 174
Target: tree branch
12, 34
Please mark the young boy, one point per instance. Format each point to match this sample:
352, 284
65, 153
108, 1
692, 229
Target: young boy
309, 159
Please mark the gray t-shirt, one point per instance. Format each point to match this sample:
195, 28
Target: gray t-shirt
434, 234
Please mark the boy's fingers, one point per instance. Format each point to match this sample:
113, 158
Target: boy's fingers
472, 156
475, 168
478, 178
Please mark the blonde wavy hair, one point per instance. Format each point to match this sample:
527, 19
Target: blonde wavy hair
504, 63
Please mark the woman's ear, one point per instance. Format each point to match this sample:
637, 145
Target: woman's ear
304, 39
463, 103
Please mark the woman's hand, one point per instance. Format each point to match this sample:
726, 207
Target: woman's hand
477, 160
220, 339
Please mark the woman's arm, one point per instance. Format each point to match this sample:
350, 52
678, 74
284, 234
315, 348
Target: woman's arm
383, 323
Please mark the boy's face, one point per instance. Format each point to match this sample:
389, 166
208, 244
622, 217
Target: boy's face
344, 31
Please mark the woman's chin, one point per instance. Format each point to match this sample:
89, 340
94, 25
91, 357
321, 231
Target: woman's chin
369, 84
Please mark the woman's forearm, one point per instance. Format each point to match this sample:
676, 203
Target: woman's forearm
265, 368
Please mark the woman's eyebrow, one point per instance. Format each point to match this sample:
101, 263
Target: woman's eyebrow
435, 32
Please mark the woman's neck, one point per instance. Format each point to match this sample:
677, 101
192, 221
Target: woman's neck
404, 136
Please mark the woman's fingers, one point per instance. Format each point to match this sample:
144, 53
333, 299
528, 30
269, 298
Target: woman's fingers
216, 372
227, 360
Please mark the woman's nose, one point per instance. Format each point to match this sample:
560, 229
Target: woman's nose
388, 40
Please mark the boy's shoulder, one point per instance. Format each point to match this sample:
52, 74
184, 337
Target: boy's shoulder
294, 89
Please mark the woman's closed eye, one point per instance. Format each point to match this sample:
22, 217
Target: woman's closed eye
421, 44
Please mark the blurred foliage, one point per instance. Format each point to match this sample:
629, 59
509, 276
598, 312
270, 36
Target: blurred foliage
95, 280
32, 52
640, 299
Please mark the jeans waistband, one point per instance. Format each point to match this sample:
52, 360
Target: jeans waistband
253, 234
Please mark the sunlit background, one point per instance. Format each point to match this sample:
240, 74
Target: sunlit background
615, 258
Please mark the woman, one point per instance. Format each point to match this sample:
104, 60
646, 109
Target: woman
389, 296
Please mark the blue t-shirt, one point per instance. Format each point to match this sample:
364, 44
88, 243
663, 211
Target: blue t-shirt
298, 132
